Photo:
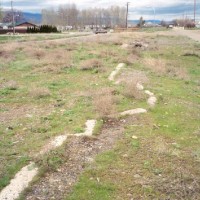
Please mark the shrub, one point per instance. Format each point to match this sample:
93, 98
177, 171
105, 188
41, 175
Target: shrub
104, 102
91, 64
131, 90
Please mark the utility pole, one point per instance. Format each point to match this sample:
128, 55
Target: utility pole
195, 4
13, 18
127, 9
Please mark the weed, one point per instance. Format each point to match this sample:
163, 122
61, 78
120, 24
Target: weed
103, 103
39, 93
131, 91
91, 64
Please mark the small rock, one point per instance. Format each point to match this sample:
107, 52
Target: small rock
137, 176
134, 137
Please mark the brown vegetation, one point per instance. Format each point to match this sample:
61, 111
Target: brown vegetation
131, 91
161, 67
91, 64
39, 93
104, 102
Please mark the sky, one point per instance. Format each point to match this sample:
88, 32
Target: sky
149, 9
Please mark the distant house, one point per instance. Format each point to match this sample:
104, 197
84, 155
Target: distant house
5, 26
24, 25
20, 27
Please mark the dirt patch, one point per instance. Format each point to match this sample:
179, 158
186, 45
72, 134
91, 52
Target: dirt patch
80, 151
18, 112
129, 75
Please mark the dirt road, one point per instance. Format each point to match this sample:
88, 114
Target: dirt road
193, 34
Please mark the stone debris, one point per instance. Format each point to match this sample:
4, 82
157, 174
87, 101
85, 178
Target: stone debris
90, 124
140, 86
134, 111
116, 71
152, 101
19, 183
58, 141
149, 93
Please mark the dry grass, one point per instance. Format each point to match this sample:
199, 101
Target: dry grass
129, 75
131, 90
156, 65
161, 67
160, 146
39, 93
50, 61
91, 64
178, 72
108, 54
11, 85
111, 40
104, 102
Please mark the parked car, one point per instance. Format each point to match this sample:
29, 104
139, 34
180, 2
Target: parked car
100, 31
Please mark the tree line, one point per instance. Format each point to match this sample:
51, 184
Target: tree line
70, 15
42, 29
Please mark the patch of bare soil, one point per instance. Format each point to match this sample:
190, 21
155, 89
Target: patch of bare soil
80, 151
18, 112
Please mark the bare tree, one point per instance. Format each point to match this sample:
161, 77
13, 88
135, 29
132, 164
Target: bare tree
69, 15
8, 16
1, 13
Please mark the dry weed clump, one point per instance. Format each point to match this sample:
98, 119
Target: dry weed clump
7, 52
156, 65
108, 54
11, 85
178, 72
111, 40
91, 64
104, 102
161, 67
52, 61
131, 90
39, 93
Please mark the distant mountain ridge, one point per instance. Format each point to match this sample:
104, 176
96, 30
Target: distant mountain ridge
146, 21
33, 17
37, 18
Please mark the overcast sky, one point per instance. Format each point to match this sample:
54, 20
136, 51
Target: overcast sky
164, 9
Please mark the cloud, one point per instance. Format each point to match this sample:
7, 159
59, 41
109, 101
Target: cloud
163, 9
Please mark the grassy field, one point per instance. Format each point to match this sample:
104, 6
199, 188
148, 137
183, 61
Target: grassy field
52, 88
38, 37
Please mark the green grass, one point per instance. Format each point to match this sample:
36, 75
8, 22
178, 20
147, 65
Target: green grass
36, 37
31, 120
166, 151
167, 144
